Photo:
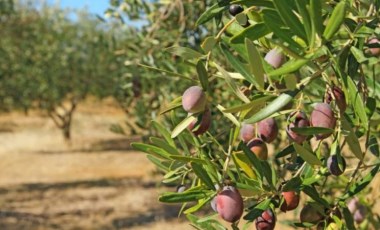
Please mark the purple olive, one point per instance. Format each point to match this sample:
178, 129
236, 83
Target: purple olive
229, 204
353, 204
333, 165
275, 58
235, 9
340, 98
297, 119
267, 220
323, 116
201, 127
375, 51
194, 100
247, 132
360, 214
268, 129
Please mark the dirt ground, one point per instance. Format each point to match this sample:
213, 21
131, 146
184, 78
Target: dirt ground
96, 183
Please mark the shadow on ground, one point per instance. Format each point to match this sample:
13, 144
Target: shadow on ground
62, 205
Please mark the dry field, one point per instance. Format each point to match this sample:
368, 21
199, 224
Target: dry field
97, 182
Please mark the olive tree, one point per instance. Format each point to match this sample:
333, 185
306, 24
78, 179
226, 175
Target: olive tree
284, 106
52, 62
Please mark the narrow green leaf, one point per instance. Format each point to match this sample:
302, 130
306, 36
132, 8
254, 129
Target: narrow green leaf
362, 184
358, 54
305, 154
357, 102
202, 75
351, 139
158, 163
202, 175
237, 65
164, 132
241, 18
182, 125
198, 206
232, 84
164, 145
228, 115
293, 184
211, 12
242, 161
176, 103
250, 105
167, 72
275, 106
187, 196
208, 44
316, 16
335, 21
302, 6
253, 32
257, 210
348, 218
186, 159
313, 194
184, 52
286, 151
255, 62
151, 149
286, 12
253, 159
306, 131
288, 67
370, 106
271, 21
374, 146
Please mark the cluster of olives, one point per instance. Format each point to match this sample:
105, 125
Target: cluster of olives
321, 116
229, 203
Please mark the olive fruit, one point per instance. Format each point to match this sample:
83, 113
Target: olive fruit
229, 204
297, 119
259, 148
333, 165
323, 116
267, 220
375, 51
291, 201
267, 129
340, 98
235, 9
194, 100
275, 58
358, 210
360, 214
247, 132
201, 124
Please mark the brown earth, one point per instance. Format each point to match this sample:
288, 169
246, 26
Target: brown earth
97, 182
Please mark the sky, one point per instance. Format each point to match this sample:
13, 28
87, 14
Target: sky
93, 6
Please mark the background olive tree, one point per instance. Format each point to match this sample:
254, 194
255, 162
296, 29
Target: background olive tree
51, 62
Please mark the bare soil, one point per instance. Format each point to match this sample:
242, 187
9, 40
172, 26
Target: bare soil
96, 182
